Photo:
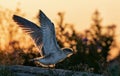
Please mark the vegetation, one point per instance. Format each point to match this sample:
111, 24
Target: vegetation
91, 47
14, 48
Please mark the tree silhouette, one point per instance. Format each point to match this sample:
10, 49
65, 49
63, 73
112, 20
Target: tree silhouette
91, 47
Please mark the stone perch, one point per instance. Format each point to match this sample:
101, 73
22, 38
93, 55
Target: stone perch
20, 70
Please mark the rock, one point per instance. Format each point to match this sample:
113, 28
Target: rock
20, 70
23, 74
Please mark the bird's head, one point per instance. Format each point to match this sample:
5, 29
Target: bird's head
68, 51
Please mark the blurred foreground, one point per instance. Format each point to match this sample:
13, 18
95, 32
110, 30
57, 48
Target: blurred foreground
18, 70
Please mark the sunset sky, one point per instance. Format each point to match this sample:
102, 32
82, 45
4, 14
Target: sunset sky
77, 12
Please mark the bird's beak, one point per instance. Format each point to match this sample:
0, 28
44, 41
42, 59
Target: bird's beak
69, 55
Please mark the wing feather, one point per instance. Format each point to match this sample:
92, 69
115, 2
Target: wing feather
32, 29
43, 36
49, 38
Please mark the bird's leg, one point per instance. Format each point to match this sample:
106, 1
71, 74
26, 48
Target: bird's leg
52, 69
51, 66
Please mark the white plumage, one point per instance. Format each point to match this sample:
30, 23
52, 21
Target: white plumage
44, 38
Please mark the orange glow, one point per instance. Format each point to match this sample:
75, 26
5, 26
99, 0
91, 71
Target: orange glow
113, 53
77, 12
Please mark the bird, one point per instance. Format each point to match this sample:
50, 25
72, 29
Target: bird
44, 38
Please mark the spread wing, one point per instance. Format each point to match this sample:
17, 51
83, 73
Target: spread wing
32, 29
49, 38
